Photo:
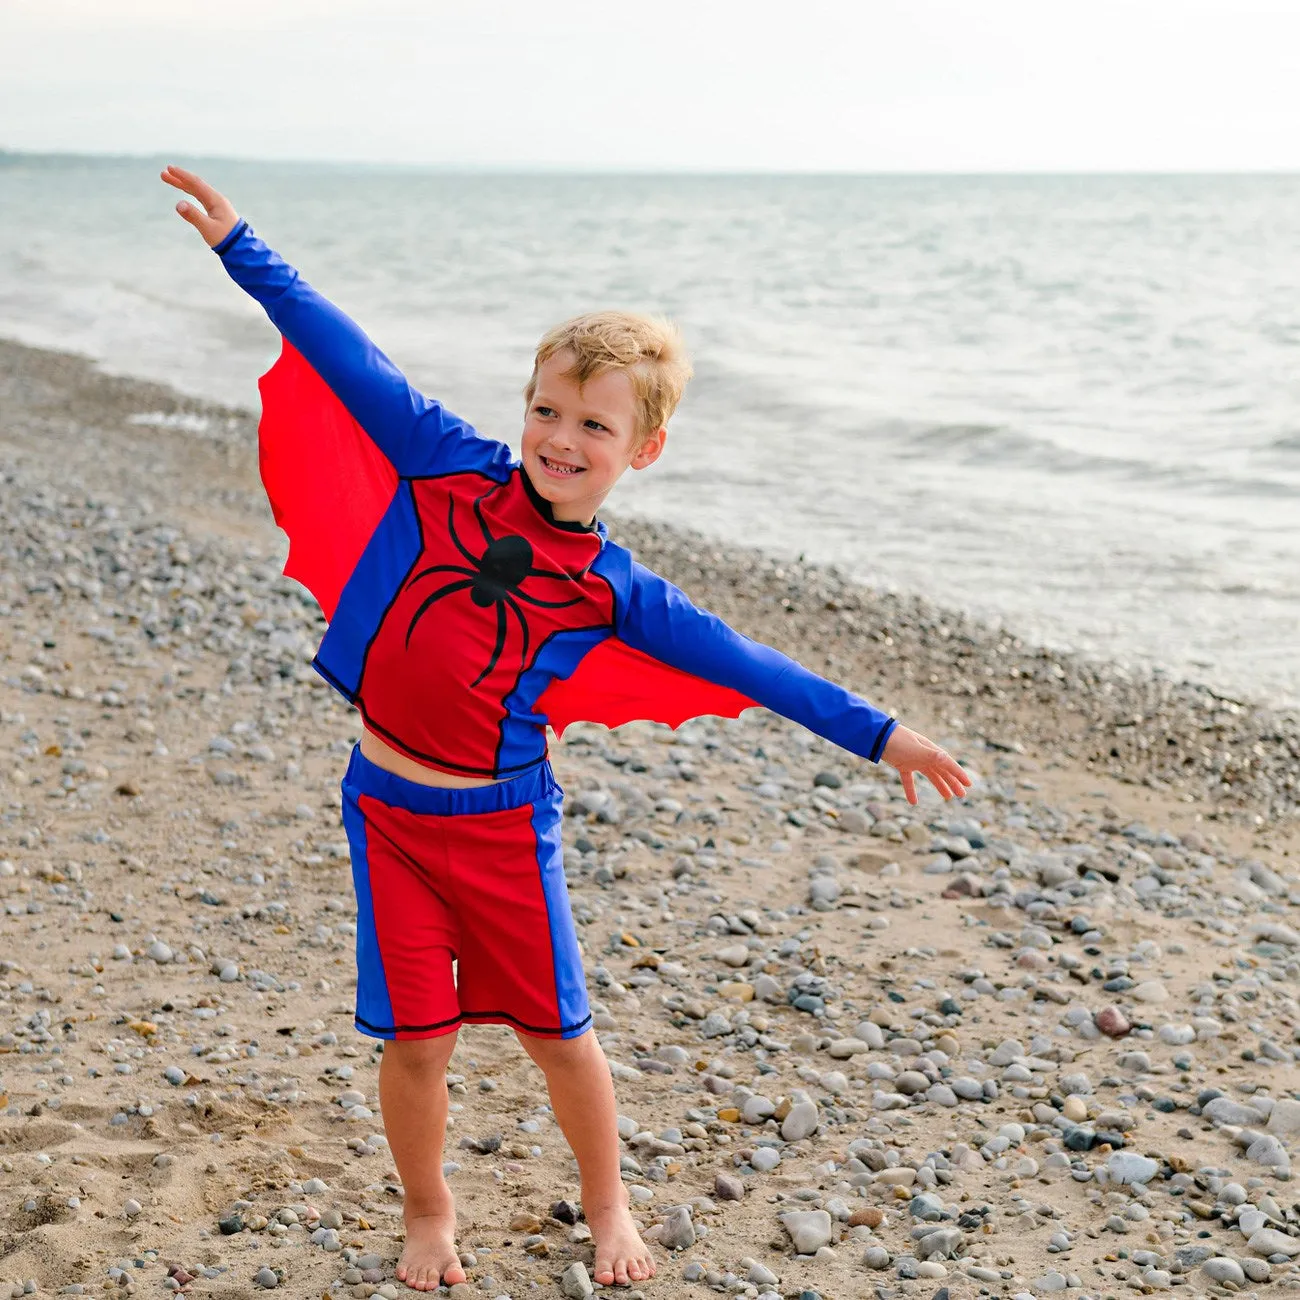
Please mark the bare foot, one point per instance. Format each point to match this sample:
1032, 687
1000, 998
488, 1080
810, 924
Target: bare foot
429, 1256
621, 1255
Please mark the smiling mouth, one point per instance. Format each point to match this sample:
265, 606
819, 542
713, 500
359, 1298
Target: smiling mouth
559, 468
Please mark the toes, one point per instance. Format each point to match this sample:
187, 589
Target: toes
620, 1272
603, 1273
453, 1273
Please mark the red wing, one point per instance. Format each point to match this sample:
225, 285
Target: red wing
329, 485
615, 684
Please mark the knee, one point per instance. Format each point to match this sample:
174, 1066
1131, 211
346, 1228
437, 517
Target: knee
548, 1053
428, 1056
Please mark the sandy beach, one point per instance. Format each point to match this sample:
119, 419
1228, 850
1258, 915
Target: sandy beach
1043, 1039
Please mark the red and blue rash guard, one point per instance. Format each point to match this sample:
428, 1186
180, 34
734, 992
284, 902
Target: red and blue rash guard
463, 616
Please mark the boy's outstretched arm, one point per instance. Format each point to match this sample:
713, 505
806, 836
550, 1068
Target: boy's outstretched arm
416, 434
658, 619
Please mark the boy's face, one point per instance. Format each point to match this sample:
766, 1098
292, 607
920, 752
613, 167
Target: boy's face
578, 441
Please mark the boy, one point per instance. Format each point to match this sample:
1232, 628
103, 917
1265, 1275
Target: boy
472, 600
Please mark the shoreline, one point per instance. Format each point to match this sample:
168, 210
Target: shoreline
1134, 725
1041, 1038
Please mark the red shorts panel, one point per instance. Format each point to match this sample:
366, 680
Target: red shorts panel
472, 877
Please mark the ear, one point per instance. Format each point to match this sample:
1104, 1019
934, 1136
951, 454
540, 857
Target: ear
650, 450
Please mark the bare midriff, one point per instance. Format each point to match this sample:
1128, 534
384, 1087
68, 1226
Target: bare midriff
385, 756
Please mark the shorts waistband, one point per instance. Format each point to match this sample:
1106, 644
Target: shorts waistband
365, 777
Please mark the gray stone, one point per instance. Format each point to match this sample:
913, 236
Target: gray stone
1285, 1119
1267, 1150
809, 1230
801, 1122
876, 1257
1051, 1281
1223, 1269
1269, 1241
760, 1275
1223, 1110
678, 1232
943, 1243
264, 1277
727, 1187
575, 1283
765, 1159
1129, 1167
714, 1025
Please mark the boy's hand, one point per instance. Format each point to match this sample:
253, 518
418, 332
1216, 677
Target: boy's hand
216, 219
910, 753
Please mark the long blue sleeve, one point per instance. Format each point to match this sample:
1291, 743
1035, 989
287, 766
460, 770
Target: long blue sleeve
660, 620
416, 433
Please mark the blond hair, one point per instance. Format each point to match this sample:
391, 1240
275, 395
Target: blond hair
648, 348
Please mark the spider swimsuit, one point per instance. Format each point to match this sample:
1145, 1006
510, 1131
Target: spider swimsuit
464, 618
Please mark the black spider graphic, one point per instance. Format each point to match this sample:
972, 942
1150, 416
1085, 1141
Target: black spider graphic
493, 579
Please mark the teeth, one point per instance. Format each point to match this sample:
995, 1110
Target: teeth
560, 468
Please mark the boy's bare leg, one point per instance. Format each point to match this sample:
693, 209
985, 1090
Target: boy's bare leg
413, 1097
582, 1097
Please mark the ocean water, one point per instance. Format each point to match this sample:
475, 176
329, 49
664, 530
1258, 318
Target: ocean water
1067, 404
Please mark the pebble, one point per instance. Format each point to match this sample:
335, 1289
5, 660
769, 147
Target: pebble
678, 1232
1269, 1241
575, 1283
1221, 1269
801, 1122
809, 1230
1112, 1022
1129, 1167
265, 1277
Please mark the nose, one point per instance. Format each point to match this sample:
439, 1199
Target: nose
562, 437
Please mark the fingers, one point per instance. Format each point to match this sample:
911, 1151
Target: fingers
909, 786
948, 779
191, 184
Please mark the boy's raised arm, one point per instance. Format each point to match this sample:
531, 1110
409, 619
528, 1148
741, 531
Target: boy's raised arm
416, 433
660, 620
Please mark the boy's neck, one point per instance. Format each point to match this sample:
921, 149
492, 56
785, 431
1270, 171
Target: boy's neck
582, 513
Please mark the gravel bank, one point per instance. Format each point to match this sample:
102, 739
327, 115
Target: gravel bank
1043, 1040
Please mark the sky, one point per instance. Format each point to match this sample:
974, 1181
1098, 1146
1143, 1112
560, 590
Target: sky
818, 85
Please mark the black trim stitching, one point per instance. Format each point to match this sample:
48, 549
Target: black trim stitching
878, 749
347, 694
230, 240
544, 508
505, 715
405, 1029
476, 1016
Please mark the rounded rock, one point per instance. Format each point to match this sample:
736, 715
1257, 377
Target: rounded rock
801, 1122
1222, 1269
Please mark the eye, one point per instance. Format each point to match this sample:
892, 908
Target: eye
544, 410
595, 424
